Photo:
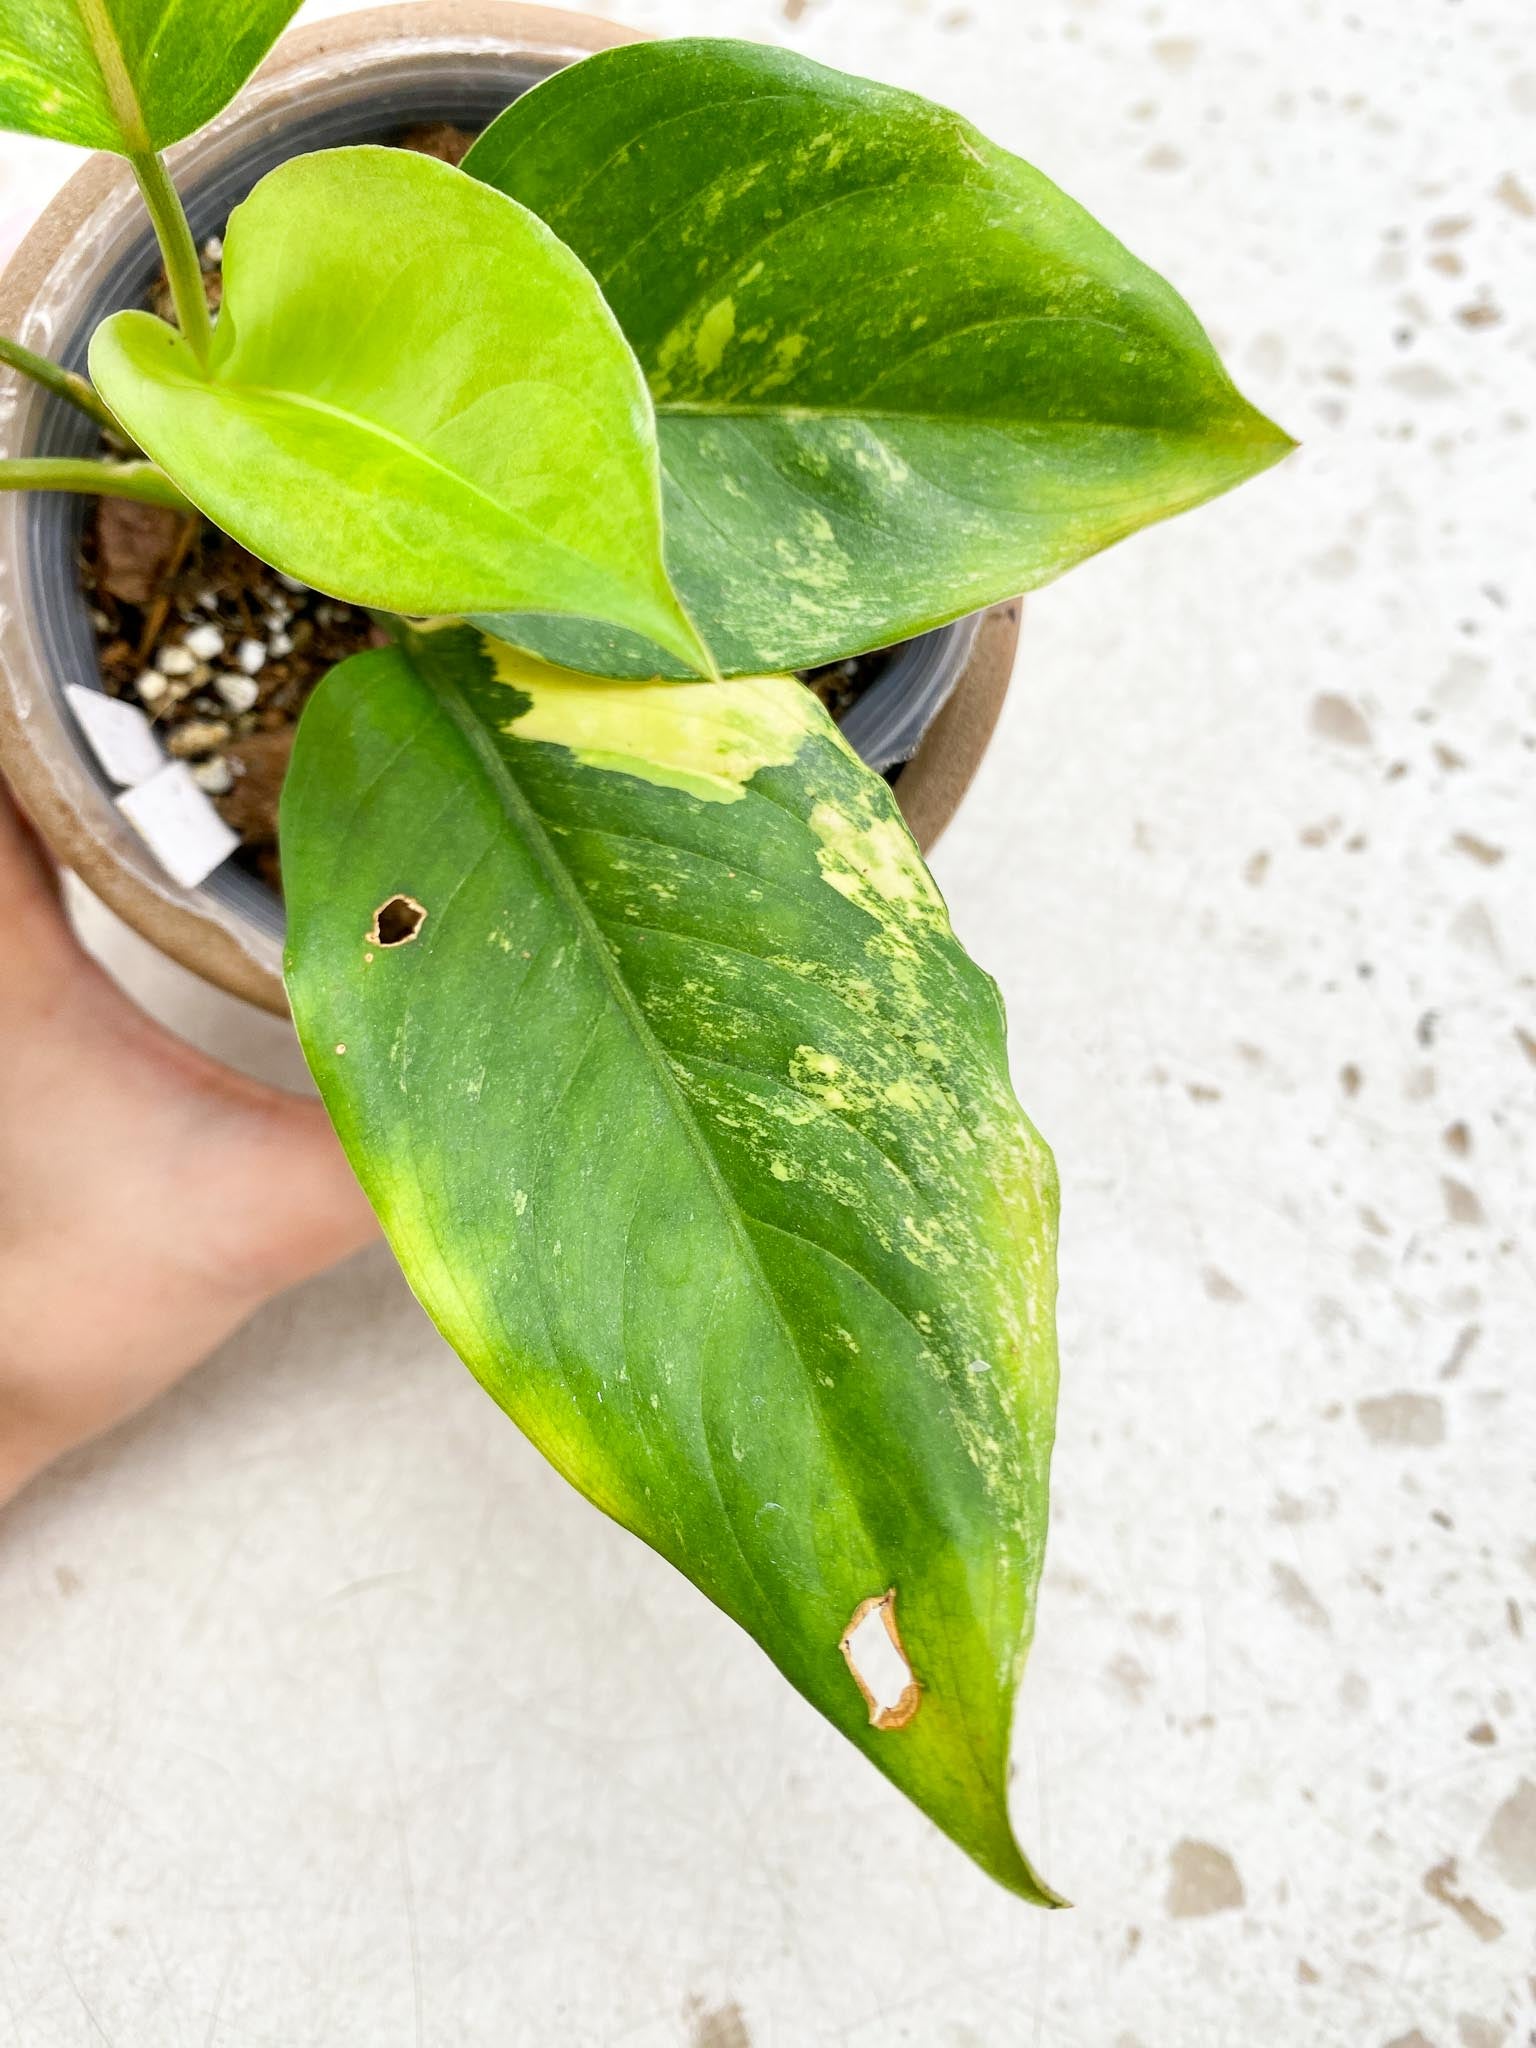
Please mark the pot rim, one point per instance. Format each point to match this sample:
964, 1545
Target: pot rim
42, 753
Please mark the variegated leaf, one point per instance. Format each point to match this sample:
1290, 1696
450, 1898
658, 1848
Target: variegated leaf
898, 374
690, 1122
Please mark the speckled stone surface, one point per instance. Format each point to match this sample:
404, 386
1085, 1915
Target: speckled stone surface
329, 1718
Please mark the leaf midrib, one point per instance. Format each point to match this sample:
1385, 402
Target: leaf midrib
500, 774
121, 97
858, 414
303, 403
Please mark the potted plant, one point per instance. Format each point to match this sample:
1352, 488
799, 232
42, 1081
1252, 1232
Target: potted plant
411, 72
632, 1001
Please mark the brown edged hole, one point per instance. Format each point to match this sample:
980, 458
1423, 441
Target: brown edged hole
396, 922
871, 1645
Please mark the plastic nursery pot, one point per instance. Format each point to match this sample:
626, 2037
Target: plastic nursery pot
364, 77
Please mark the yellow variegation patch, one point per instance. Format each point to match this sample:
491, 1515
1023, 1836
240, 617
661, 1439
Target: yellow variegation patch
707, 738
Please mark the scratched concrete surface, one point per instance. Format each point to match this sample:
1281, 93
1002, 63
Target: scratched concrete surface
329, 1718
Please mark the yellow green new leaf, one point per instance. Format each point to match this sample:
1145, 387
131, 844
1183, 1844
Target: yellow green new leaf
644, 1026
415, 399
897, 373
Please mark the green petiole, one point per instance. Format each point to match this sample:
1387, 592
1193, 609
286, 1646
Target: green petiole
139, 480
62, 383
177, 247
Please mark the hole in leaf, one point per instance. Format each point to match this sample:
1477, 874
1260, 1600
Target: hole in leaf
397, 922
871, 1644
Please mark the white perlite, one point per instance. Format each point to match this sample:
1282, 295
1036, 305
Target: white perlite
214, 776
238, 692
206, 642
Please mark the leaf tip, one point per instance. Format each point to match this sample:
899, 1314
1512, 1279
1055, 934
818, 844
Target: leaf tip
1004, 1860
1268, 440
696, 651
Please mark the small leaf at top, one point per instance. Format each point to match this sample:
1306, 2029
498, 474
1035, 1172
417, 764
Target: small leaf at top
645, 1029
416, 400
128, 75
897, 373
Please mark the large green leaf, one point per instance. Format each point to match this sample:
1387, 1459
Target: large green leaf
690, 1123
129, 75
897, 373
416, 400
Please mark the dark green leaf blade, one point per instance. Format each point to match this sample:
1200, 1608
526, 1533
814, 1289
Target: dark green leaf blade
898, 374
417, 400
129, 75
690, 1124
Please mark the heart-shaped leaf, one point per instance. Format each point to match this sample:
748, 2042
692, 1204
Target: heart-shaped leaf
129, 75
690, 1123
898, 374
416, 400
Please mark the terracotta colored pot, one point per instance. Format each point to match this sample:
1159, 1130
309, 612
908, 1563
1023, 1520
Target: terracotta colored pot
362, 76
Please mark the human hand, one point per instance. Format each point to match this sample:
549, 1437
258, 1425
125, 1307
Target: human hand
150, 1199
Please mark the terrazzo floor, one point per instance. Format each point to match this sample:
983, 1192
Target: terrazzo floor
329, 1718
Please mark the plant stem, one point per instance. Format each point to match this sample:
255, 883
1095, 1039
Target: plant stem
62, 383
179, 250
139, 480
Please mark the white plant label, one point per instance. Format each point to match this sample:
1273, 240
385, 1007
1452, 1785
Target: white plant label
119, 735
178, 824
